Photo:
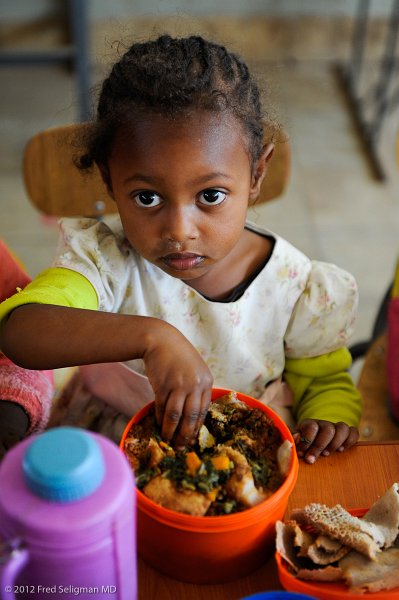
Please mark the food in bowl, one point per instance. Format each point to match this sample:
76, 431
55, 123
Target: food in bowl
322, 544
238, 460
220, 548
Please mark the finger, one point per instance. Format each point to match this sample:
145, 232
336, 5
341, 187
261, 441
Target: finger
205, 401
191, 417
322, 440
341, 434
297, 437
305, 434
160, 403
172, 414
351, 440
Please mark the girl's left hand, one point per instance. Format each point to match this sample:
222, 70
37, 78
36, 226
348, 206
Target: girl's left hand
314, 437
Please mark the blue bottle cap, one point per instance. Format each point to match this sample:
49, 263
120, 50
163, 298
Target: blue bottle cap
63, 464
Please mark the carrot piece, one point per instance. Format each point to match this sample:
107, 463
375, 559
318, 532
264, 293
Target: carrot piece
193, 462
221, 462
212, 494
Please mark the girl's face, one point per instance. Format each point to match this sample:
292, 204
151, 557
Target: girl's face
182, 189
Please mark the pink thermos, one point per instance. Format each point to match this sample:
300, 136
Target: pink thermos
67, 519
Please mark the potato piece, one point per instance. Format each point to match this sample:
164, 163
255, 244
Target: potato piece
163, 492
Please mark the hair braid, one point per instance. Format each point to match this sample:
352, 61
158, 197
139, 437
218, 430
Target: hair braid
170, 76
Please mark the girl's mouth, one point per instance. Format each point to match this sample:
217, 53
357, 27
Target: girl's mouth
182, 261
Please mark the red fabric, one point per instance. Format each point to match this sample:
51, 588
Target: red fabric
12, 274
33, 390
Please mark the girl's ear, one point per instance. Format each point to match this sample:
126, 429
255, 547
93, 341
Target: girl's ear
106, 179
259, 171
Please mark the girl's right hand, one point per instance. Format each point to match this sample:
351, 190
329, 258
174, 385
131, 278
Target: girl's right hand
182, 384
178, 375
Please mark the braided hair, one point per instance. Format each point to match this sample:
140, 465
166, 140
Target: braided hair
169, 77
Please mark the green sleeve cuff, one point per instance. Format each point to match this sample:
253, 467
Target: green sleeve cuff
319, 366
59, 286
323, 389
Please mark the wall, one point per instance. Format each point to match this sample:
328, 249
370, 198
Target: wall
272, 30
10, 10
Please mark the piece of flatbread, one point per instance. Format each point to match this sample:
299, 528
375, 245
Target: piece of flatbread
287, 544
362, 574
320, 556
384, 513
336, 522
298, 548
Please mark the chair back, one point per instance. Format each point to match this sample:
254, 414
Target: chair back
55, 186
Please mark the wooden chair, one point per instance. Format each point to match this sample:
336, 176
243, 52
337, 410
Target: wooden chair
377, 424
56, 186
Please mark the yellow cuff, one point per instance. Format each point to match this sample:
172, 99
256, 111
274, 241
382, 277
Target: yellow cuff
320, 366
323, 389
59, 286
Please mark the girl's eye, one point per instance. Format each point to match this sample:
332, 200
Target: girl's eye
212, 197
147, 199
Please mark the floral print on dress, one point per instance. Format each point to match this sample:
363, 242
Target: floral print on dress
287, 272
295, 307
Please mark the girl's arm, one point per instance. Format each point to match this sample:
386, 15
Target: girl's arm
25, 396
47, 336
327, 405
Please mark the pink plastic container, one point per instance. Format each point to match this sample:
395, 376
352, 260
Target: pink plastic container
67, 517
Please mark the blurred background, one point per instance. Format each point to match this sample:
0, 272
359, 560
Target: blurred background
327, 69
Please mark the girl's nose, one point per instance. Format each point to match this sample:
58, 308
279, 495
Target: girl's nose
180, 225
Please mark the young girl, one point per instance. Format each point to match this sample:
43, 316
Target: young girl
179, 284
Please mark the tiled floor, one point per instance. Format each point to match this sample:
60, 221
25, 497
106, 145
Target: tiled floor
333, 209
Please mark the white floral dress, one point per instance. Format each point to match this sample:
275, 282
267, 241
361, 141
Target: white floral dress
295, 307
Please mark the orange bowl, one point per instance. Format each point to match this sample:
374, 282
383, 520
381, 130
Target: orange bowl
324, 590
213, 549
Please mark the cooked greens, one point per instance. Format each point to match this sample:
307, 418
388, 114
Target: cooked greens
232, 466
